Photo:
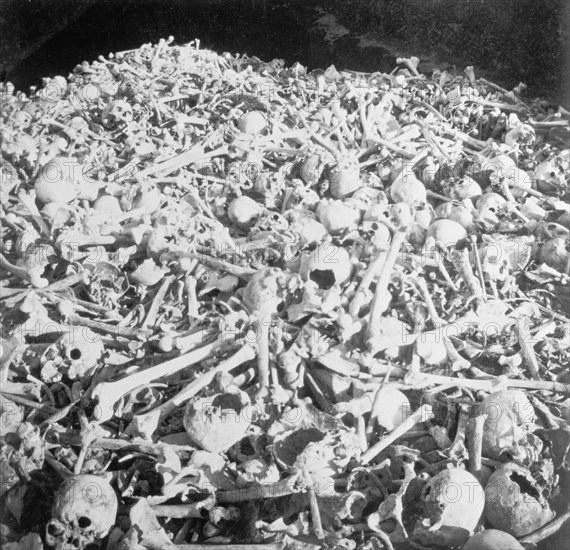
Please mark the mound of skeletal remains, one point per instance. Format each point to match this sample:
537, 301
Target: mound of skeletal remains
248, 304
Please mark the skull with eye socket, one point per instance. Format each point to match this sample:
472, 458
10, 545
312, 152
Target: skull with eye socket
76, 354
495, 261
83, 513
117, 113
453, 502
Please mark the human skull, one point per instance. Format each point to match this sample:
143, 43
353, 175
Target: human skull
250, 447
327, 265
446, 232
307, 229
510, 422
323, 454
458, 213
495, 261
402, 215
490, 201
514, 501
392, 407
309, 169
117, 112
379, 234
549, 175
265, 292
344, 178
453, 504
337, 216
554, 253
257, 471
461, 188
252, 122
408, 189
76, 354
216, 423
492, 539
243, 211
83, 513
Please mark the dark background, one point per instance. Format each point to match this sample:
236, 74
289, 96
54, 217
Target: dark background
507, 41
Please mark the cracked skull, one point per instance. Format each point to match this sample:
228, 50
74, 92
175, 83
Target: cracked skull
453, 504
83, 512
514, 501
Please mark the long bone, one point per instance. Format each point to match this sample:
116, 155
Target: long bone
192, 156
458, 450
475, 428
107, 394
422, 380
262, 297
527, 350
423, 414
454, 358
145, 425
360, 297
379, 304
462, 263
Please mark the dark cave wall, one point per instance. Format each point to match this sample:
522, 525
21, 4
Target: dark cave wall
523, 40
26, 24
512, 40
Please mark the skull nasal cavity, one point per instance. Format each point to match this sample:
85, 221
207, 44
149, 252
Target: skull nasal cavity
83, 522
75, 354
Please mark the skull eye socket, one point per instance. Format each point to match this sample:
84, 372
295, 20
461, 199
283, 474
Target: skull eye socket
75, 354
83, 522
246, 447
323, 277
54, 529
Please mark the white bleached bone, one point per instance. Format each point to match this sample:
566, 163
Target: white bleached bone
145, 425
108, 393
379, 303
423, 414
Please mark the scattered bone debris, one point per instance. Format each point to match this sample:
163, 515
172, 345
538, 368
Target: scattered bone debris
254, 306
